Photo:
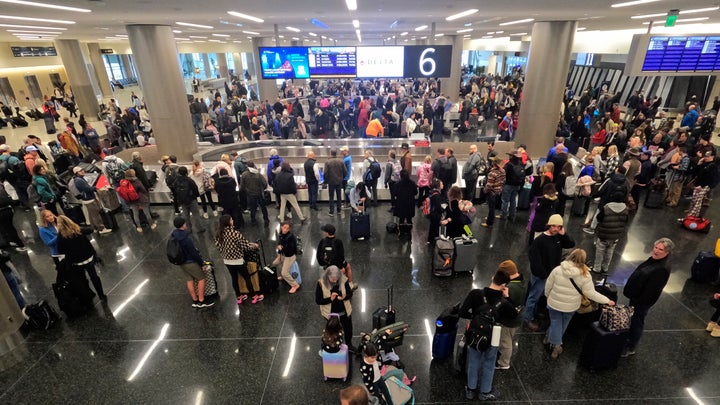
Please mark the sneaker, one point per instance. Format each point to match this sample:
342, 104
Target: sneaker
498, 216
139, 229
711, 326
153, 226
589, 231
499, 367
215, 213
331, 214
241, 298
485, 225
294, 288
21, 249
487, 397
627, 352
556, 351
714, 333
204, 304
104, 231
258, 298
196, 304
469, 394
205, 215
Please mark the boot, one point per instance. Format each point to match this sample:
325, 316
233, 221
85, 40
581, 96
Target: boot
557, 350
711, 326
715, 332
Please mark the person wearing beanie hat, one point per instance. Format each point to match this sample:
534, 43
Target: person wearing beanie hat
517, 290
331, 252
545, 254
192, 264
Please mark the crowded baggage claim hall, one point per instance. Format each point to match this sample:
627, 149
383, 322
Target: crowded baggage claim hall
526, 149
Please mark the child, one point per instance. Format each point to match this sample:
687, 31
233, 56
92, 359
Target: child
370, 370
332, 336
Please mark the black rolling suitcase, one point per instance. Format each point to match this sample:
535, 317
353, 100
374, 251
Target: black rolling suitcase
359, 226
705, 267
109, 220
384, 316
268, 274
602, 349
226, 138
578, 206
19, 121
72, 291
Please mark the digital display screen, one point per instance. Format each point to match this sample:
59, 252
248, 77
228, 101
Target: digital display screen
21, 51
682, 53
284, 63
380, 61
332, 61
427, 61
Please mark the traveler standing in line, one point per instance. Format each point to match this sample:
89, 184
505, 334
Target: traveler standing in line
274, 162
286, 187
405, 190
334, 173
545, 254
493, 189
392, 177
333, 294
234, 248
347, 160
312, 179
437, 211
406, 158
644, 287
514, 180
49, 235
331, 251
187, 194
287, 248
228, 198
193, 264
253, 184
90, 206
517, 290
141, 203
612, 225
205, 186
170, 168
74, 244
370, 183
472, 169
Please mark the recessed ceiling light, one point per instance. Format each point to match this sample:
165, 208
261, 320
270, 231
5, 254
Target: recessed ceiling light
356, 23
32, 27
198, 36
312, 34
466, 35
177, 32
581, 29
198, 41
209, 27
45, 5
641, 17
181, 39
699, 10
518, 21
499, 32
468, 24
295, 38
238, 42
351, 4
461, 14
251, 33
402, 34
293, 29
323, 37
246, 16
439, 35
45, 20
281, 36
519, 34
214, 40
632, 3
420, 28
486, 37
221, 35
33, 32
423, 37
491, 32
464, 30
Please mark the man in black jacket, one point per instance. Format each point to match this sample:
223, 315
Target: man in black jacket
545, 253
644, 287
186, 193
514, 180
312, 179
503, 312
254, 184
331, 252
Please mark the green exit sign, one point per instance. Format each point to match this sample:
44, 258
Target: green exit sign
671, 18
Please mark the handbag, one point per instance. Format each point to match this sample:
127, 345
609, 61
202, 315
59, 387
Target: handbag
586, 305
616, 318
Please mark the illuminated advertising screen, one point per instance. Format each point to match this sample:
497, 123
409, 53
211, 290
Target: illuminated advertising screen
332, 61
380, 61
284, 63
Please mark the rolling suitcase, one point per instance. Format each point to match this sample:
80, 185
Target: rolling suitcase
268, 274
108, 219
336, 365
446, 324
465, 254
108, 199
226, 138
211, 290
705, 267
384, 316
602, 349
524, 198
72, 291
443, 255
19, 121
359, 226
578, 206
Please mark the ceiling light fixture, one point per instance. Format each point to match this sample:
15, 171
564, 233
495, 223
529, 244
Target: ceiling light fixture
351, 4
246, 16
423, 37
642, 17
214, 40
581, 29
251, 33
295, 38
356, 23
293, 29
499, 32
323, 37
32, 27
699, 10
468, 24
45, 5
517, 22
312, 34
681, 20
209, 27
177, 32
45, 20
33, 32
461, 14
632, 3
198, 36
221, 35
519, 34
402, 34
464, 30
181, 39
359, 37
420, 28
439, 35
394, 23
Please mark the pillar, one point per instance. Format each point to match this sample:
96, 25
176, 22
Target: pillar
99, 69
156, 63
267, 89
492, 65
208, 69
79, 77
239, 67
127, 66
222, 65
12, 349
547, 68
451, 85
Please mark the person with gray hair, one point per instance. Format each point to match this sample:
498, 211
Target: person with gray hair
333, 294
644, 287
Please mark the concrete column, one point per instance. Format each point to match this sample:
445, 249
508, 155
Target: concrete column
492, 65
127, 66
99, 67
156, 58
238, 65
548, 62
12, 349
223, 66
79, 77
451, 85
206, 64
267, 89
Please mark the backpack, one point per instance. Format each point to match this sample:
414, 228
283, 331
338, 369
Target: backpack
373, 172
32, 193
328, 254
396, 168
479, 330
115, 170
426, 203
570, 186
620, 191
127, 191
72, 186
171, 176
183, 192
174, 252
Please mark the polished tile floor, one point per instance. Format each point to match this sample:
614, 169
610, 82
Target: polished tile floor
148, 346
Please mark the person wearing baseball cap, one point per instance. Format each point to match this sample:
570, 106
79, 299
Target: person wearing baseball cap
31, 158
545, 254
331, 252
517, 290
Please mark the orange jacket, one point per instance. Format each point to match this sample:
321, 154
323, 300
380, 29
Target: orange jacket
374, 128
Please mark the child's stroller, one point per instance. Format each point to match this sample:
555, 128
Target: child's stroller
386, 340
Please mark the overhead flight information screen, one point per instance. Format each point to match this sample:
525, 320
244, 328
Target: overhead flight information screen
682, 54
332, 61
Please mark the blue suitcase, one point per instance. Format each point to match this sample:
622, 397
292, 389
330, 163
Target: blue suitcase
443, 344
359, 226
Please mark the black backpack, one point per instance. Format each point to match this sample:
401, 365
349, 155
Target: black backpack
479, 332
171, 176
373, 172
174, 252
183, 190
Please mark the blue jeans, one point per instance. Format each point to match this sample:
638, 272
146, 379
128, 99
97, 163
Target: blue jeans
313, 195
335, 195
481, 361
535, 291
509, 200
637, 324
15, 288
558, 324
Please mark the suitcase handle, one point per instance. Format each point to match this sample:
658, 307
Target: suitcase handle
262, 250
390, 297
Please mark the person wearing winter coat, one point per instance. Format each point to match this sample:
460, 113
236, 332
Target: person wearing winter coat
142, 203
545, 206
228, 198
204, 183
424, 177
564, 289
187, 193
254, 184
406, 189
472, 169
612, 225
286, 187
